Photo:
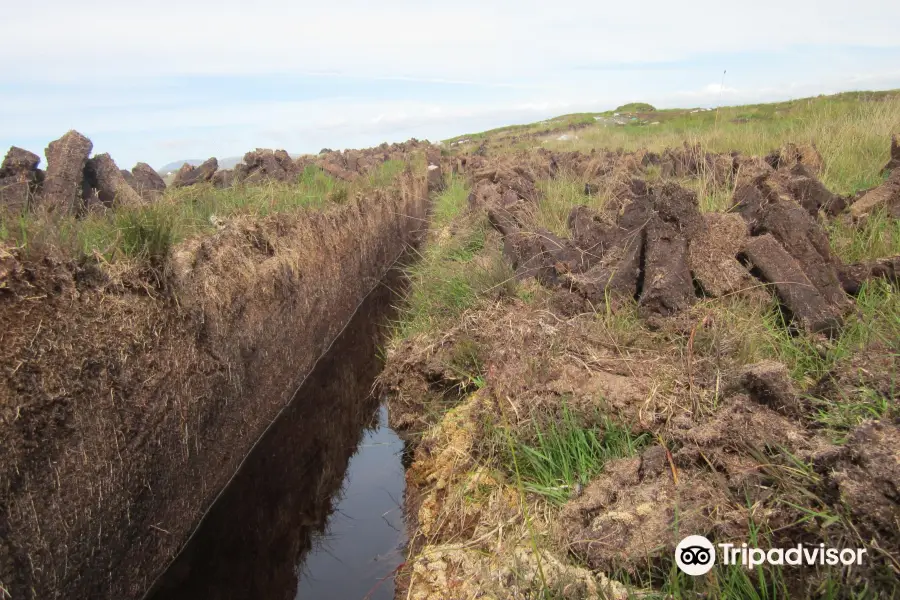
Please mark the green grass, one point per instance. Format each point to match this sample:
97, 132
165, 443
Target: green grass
633, 107
841, 416
878, 237
557, 198
745, 334
560, 123
852, 132
565, 453
455, 269
451, 202
448, 279
385, 173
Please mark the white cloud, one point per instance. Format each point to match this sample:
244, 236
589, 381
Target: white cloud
719, 88
462, 40
110, 68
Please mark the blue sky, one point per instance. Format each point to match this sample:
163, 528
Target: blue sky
192, 80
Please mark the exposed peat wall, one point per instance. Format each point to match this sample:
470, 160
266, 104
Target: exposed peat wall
262, 527
124, 412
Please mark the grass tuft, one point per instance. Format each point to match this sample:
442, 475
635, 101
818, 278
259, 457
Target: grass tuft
564, 454
455, 270
877, 237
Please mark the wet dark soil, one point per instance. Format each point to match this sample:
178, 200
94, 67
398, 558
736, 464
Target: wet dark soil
314, 510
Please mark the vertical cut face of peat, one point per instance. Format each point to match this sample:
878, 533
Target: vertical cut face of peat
133, 406
258, 533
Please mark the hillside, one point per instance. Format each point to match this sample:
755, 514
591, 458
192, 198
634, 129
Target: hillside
631, 326
615, 345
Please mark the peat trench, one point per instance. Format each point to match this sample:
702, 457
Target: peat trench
315, 510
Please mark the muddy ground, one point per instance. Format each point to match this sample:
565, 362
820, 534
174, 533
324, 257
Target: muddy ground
128, 401
644, 320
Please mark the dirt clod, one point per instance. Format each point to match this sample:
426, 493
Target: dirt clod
714, 261
853, 276
806, 241
616, 277
769, 383
591, 231
864, 476
20, 179
808, 191
886, 195
435, 178
147, 181
112, 188
223, 179
635, 512
19, 161
791, 284
678, 206
66, 159
265, 165
668, 287
894, 162
129, 178
792, 155
188, 175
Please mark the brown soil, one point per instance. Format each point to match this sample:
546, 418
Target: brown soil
260, 165
894, 162
806, 241
15, 194
66, 159
112, 187
124, 410
792, 155
620, 325
147, 181
190, 175
887, 195
625, 516
667, 287
713, 258
865, 476
798, 294
853, 276
652, 242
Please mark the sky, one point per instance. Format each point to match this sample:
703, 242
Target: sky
173, 80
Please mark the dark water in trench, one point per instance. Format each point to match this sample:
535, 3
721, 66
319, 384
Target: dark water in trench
314, 512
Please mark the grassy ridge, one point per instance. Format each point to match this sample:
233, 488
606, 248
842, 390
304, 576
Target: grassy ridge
547, 460
149, 231
850, 130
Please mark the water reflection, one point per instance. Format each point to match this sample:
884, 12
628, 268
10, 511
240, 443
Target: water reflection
264, 536
363, 543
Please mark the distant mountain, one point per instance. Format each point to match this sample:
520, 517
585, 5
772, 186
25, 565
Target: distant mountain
224, 163
174, 166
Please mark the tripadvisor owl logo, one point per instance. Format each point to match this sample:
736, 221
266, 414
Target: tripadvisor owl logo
695, 555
